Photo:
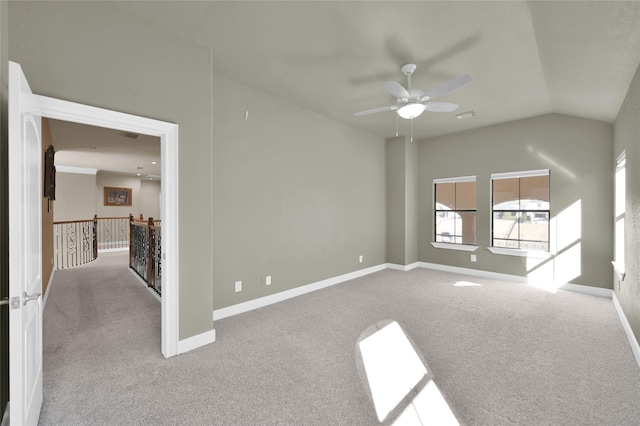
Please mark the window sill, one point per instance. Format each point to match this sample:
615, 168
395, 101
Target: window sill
452, 246
620, 270
518, 252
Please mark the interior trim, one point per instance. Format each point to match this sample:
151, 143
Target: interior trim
76, 170
288, 294
403, 268
473, 272
519, 252
635, 346
168, 132
197, 341
49, 285
451, 246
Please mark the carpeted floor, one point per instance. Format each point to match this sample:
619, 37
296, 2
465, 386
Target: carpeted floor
500, 353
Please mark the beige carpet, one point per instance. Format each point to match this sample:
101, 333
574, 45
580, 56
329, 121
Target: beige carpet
500, 352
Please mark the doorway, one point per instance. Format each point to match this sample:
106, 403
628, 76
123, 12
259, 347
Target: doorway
168, 133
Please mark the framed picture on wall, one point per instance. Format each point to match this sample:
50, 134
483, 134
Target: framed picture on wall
117, 196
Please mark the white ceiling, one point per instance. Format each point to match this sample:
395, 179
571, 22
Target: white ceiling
79, 145
526, 58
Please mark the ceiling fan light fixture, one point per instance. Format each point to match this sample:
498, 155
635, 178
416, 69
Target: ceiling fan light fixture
410, 111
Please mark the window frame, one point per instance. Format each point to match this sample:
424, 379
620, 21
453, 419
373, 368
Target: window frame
453, 245
619, 194
519, 251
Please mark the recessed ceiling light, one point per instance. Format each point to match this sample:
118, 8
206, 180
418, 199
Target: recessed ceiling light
153, 162
138, 174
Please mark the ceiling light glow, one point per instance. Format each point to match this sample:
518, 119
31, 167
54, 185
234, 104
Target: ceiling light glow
410, 111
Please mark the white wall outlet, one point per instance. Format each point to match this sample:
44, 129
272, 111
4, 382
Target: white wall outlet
267, 280
238, 286
473, 257
361, 259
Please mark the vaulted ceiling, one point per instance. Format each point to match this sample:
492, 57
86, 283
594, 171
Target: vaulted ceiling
526, 58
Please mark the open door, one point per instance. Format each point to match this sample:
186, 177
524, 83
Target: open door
25, 252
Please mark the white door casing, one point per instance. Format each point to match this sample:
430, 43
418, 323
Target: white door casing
25, 252
59, 109
25, 223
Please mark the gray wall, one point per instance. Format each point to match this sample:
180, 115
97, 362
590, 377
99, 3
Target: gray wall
75, 197
402, 197
578, 153
4, 210
287, 193
150, 198
97, 54
627, 138
296, 195
117, 181
80, 196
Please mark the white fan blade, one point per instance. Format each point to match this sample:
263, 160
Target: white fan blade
381, 109
446, 87
396, 90
440, 106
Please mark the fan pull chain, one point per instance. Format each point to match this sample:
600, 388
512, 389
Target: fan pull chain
396, 125
411, 129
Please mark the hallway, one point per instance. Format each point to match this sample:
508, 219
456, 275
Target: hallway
98, 320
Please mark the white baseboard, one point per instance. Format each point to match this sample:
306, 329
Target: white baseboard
586, 289
143, 282
404, 268
196, 341
578, 288
635, 346
288, 294
473, 272
46, 293
111, 250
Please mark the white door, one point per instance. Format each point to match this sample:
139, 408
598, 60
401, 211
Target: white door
25, 252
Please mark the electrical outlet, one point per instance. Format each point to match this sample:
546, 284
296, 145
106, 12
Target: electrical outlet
361, 259
267, 280
473, 257
238, 286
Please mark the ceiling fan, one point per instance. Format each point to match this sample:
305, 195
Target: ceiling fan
413, 102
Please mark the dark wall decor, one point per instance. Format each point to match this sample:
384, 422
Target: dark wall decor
49, 176
117, 196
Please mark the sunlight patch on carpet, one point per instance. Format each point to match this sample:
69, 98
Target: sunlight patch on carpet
394, 370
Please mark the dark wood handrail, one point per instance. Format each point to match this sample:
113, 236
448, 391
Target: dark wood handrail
74, 221
152, 230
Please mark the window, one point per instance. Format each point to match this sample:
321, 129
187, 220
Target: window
455, 210
520, 210
620, 205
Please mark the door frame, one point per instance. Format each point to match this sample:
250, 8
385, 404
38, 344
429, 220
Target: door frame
168, 133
